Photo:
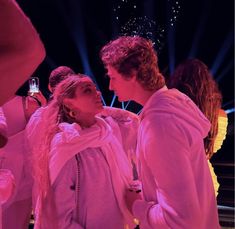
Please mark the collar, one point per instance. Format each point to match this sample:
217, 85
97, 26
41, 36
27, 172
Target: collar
154, 95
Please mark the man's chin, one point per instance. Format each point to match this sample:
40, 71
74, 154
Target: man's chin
122, 99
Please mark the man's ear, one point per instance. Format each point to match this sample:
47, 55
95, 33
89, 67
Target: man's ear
133, 76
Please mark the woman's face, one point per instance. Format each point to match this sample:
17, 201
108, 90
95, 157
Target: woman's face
87, 100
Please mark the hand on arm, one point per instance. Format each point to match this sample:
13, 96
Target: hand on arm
131, 196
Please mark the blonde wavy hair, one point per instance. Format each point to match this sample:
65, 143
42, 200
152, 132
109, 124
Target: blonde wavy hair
55, 113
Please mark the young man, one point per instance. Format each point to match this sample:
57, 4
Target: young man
177, 186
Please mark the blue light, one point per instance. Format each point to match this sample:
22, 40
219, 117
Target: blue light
228, 111
113, 100
221, 54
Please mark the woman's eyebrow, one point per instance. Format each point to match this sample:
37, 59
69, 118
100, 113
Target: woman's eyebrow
87, 84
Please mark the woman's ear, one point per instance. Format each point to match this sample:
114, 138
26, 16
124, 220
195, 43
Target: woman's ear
69, 107
68, 103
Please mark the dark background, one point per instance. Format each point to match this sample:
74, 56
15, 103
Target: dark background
74, 31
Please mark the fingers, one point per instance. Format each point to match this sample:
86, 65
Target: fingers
39, 97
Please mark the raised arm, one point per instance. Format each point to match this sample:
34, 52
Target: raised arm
21, 50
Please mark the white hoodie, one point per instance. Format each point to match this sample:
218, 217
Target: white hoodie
177, 186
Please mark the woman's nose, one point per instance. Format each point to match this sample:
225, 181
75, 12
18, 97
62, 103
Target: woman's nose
98, 93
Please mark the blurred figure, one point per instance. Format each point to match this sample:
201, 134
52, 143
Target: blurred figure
7, 188
7, 181
21, 50
193, 78
177, 186
17, 210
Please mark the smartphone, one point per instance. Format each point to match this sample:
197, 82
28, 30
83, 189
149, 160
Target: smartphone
33, 85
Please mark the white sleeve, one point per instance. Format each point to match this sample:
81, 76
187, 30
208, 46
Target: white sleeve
166, 153
64, 189
3, 129
3, 124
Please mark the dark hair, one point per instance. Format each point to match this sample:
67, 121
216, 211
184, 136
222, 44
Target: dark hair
58, 75
193, 78
129, 54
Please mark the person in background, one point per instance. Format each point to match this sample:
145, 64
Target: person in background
176, 182
193, 78
7, 181
81, 155
33, 127
57, 75
21, 50
14, 157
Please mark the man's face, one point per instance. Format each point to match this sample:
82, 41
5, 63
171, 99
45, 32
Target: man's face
121, 86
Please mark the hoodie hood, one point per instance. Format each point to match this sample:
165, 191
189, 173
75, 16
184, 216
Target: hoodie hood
173, 102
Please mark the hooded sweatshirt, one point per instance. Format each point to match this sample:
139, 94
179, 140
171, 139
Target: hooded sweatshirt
177, 186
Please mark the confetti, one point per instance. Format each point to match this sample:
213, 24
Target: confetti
126, 15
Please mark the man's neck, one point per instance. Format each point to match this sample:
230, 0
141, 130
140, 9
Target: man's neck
143, 96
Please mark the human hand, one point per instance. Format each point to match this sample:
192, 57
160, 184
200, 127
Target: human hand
131, 196
39, 97
133, 193
7, 185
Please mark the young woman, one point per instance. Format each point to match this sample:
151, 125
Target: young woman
193, 78
81, 170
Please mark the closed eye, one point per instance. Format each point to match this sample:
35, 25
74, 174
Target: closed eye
88, 90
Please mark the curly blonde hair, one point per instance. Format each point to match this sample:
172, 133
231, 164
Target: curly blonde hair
55, 113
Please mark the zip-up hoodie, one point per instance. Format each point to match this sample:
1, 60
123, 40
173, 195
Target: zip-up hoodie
177, 186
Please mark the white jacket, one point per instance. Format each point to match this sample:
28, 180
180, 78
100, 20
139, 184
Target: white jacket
177, 185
